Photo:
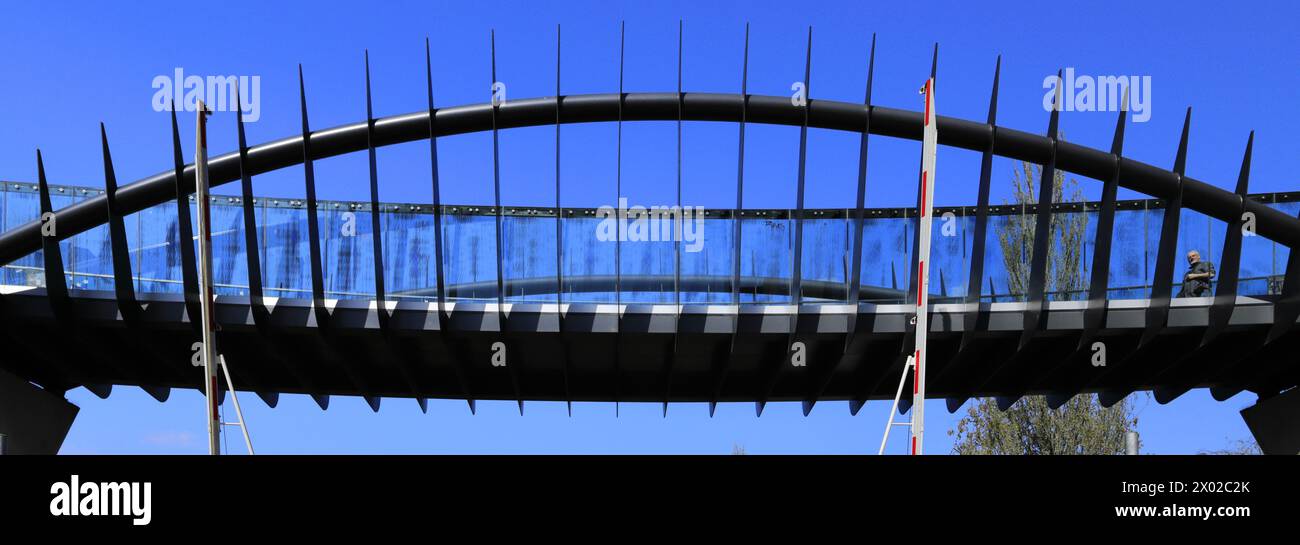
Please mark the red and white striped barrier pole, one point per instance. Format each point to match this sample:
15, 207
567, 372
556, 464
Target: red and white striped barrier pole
929, 146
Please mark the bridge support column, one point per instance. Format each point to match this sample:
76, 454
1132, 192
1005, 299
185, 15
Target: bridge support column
32, 420
1275, 422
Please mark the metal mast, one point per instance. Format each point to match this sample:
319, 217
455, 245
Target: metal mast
925, 218
929, 145
209, 329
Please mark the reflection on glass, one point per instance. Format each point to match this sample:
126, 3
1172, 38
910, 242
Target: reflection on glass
648, 266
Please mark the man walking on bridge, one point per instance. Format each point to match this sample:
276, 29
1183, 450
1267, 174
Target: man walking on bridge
1196, 283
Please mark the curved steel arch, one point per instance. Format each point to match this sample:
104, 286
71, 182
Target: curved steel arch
823, 114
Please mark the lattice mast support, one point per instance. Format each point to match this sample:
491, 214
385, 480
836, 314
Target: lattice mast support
929, 147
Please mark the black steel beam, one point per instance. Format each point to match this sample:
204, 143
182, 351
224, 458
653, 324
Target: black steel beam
496, 201
56, 284
908, 342
252, 256
618, 229
1157, 313
496, 186
313, 223
1162, 284
248, 202
56, 288
185, 228
271, 399
1157, 310
443, 315
124, 290
376, 230
123, 280
854, 280
723, 364
23, 359
1225, 293
677, 238
319, 311
432, 136
975, 318
559, 239
1094, 315
1022, 371
1287, 307
796, 276
286, 359
1182, 375
855, 275
1042, 229
80, 350
377, 253
1246, 370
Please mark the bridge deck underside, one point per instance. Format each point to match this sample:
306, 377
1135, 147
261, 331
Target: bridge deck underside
708, 353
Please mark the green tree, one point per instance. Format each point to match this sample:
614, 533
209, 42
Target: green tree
1064, 255
1238, 447
1082, 425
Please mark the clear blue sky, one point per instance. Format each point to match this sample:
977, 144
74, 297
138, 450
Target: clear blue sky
69, 67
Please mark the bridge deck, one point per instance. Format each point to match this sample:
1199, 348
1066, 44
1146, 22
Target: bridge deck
704, 353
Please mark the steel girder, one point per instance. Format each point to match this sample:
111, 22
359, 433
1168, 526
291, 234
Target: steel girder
649, 332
